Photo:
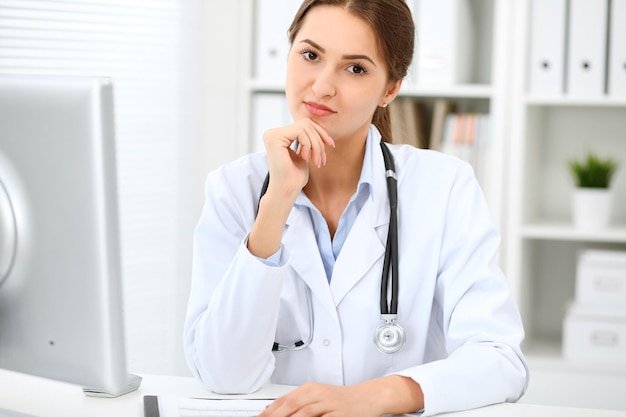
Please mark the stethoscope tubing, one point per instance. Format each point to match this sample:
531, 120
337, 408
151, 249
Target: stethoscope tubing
388, 310
299, 345
391, 248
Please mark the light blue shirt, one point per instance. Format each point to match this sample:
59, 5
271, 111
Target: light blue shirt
330, 248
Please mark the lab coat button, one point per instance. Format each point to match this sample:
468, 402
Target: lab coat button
326, 342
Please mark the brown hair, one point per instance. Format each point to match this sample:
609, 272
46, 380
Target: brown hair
393, 24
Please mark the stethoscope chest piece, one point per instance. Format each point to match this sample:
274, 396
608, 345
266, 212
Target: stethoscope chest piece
389, 336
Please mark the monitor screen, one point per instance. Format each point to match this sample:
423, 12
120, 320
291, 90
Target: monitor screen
61, 314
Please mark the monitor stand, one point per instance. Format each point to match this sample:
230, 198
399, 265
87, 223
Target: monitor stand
133, 382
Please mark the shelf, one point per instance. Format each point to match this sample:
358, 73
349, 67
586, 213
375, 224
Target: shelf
565, 231
563, 100
545, 354
257, 86
479, 91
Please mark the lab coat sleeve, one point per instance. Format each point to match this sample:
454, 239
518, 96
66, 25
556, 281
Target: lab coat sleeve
233, 304
479, 319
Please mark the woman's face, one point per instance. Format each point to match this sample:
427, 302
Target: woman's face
335, 73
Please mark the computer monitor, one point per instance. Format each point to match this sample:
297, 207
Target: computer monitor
61, 314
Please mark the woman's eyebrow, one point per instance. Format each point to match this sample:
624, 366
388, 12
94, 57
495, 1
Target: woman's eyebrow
352, 56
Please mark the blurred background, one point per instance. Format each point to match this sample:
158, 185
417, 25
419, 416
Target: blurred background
518, 89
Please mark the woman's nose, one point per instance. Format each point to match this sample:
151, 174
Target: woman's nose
324, 84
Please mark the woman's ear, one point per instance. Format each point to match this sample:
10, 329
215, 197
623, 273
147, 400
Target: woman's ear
392, 92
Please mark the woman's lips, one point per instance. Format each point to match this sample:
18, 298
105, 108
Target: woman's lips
317, 109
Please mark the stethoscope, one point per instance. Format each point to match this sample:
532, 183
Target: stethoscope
389, 337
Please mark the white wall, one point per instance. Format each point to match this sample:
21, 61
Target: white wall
220, 35
221, 74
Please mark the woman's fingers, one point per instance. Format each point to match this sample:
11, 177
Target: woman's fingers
311, 141
318, 140
301, 401
313, 145
315, 399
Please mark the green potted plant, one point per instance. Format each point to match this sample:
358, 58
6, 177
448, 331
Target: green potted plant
592, 197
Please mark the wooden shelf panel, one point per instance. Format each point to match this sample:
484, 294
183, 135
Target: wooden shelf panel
564, 101
546, 354
562, 230
479, 91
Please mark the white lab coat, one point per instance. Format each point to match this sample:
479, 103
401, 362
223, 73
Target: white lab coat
463, 329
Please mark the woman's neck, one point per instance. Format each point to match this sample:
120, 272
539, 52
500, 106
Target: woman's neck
331, 186
342, 170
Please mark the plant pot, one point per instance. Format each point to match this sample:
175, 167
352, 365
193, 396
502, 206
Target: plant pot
592, 207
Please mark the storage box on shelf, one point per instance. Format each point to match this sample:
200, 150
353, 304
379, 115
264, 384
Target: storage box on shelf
594, 336
594, 327
601, 280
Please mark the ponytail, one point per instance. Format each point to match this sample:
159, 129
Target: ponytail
382, 121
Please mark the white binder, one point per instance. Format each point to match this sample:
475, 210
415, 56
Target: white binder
411, 77
273, 18
446, 39
269, 110
587, 48
617, 51
546, 72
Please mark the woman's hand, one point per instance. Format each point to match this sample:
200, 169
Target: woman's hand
313, 399
289, 173
289, 169
392, 394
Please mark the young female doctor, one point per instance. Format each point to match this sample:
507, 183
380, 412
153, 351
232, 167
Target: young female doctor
365, 272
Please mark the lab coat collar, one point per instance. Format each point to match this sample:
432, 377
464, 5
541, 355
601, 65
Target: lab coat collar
356, 258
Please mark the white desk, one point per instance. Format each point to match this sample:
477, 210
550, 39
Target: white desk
46, 398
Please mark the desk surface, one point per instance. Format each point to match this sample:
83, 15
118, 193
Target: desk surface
47, 398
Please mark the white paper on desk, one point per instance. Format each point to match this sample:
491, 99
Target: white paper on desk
173, 406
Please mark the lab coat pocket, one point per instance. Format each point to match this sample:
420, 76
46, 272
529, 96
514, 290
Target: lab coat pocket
293, 335
294, 325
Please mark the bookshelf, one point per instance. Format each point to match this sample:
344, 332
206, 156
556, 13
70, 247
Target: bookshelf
542, 244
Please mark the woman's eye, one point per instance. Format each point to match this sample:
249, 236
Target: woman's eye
357, 69
309, 55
